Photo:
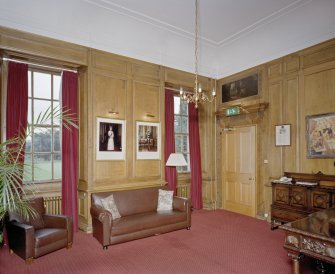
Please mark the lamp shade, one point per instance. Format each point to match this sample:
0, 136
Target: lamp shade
176, 159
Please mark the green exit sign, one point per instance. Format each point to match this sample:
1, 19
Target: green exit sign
232, 111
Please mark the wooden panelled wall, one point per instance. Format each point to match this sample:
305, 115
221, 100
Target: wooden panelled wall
297, 85
131, 88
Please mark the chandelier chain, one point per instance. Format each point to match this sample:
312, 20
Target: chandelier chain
196, 50
197, 96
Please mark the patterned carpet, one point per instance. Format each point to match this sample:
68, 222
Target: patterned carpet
218, 242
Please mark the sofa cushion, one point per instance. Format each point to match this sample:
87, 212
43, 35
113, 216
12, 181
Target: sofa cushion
165, 199
108, 203
143, 221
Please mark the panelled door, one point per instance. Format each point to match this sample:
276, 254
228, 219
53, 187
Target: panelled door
239, 170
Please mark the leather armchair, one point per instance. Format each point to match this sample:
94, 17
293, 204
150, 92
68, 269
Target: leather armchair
38, 236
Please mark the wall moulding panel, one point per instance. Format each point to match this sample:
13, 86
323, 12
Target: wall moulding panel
42, 47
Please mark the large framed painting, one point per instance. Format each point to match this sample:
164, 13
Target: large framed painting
320, 135
111, 139
147, 140
241, 88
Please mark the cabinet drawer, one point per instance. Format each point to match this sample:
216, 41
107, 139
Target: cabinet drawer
299, 197
285, 215
281, 195
320, 200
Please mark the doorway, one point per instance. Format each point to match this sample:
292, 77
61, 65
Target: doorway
239, 170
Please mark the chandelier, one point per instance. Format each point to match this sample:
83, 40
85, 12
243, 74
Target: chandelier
198, 95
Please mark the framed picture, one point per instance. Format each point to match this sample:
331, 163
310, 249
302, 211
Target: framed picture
283, 135
147, 140
242, 88
320, 135
111, 139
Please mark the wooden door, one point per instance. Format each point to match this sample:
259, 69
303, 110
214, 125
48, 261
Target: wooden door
239, 170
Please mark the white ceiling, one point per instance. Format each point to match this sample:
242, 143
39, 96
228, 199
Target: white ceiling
234, 34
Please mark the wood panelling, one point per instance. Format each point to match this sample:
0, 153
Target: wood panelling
291, 63
274, 70
147, 168
319, 98
112, 170
109, 62
110, 96
316, 55
290, 116
35, 46
146, 102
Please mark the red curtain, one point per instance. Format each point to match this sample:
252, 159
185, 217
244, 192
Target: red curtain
17, 99
16, 105
195, 157
70, 149
170, 172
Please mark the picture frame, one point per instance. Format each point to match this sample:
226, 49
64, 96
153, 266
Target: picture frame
320, 135
248, 86
283, 135
148, 140
110, 139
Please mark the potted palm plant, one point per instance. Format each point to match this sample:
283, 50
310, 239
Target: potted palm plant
13, 195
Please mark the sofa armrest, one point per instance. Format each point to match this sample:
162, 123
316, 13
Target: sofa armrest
21, 239
102, 222
183, 204
60, 221
180, 203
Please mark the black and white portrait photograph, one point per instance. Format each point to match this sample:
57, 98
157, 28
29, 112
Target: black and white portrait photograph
148, 140
110, 139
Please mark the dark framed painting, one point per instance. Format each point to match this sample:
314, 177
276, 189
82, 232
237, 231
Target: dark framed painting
242, 88
111, 138
320, 136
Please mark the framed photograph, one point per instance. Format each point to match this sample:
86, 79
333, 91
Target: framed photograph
283, 135
320, 136
147, 140
111, 139
242, 88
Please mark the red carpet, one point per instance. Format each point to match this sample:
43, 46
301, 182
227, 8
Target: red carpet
218, 242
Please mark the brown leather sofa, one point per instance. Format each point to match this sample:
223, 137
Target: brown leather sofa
139, 216
40, 235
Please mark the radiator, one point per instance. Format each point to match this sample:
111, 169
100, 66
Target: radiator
53, 205
183, 190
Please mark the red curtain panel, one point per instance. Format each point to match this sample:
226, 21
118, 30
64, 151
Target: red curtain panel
195, 157
70, 149
17, 99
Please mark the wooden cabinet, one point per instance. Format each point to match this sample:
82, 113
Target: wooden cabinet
294, 201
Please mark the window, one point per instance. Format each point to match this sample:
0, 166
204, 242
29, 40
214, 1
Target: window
181, 131
43, 146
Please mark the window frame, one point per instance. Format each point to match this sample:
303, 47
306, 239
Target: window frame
52, 126
182, 134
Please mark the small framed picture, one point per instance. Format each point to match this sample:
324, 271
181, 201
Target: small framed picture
147, 140
111, 139
283, 135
